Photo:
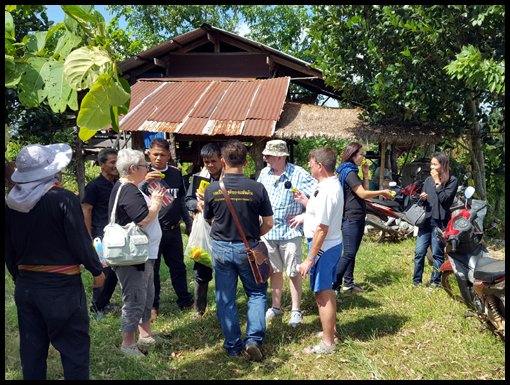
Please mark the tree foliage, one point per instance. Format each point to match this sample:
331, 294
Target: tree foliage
424, 63
53, 66
279, 26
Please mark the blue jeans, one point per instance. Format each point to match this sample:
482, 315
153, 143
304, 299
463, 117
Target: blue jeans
427, 237
352, 233
230, 262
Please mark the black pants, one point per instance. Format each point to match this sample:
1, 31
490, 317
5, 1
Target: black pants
352, 233
171, 249
56, 315
102, 295
203, 273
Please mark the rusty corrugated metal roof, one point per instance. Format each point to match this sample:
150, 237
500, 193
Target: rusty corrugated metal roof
213, 107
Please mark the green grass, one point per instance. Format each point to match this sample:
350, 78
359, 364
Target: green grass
390, 332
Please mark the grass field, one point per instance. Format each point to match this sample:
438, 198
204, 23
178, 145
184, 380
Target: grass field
390, 332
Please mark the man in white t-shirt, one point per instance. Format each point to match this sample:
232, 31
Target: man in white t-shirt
322, 228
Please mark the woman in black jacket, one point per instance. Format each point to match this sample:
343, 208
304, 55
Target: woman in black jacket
438, 194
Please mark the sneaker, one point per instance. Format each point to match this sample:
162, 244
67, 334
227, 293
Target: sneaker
272, 313
254, 352
132, 351
295, 318
151, 340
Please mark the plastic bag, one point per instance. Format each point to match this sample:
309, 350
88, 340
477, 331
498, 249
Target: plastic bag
199, 246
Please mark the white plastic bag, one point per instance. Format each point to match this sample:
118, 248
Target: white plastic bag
199, 246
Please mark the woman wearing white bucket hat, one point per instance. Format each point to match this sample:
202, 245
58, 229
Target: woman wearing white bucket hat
46, 242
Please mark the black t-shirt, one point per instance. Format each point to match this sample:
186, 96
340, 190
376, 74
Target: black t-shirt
97, 194
249, 198
355, 208
131, 206
52, 233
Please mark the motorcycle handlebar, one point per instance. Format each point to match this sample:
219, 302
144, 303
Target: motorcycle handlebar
453, 243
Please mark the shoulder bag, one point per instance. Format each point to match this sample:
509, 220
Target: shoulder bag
125, 245
258, 256
415, 214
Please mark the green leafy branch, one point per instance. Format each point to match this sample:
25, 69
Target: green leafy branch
52, 66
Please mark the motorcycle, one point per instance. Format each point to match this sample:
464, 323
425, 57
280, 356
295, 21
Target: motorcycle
387, 216
479, 277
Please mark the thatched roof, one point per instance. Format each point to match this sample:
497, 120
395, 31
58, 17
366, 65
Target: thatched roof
299, 121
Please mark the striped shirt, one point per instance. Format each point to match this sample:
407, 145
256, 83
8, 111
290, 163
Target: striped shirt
282, 199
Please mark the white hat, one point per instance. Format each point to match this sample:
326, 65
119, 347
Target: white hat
36, 162
276, 148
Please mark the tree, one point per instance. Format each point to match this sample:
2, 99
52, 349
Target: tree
53, 66
397, 61
279, 26
39, 124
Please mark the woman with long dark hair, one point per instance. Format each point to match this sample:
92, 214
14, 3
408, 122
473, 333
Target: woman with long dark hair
353, 224
438, 194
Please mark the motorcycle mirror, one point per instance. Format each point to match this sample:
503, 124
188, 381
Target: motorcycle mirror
467, 176
393, 184
419, 169
470, 191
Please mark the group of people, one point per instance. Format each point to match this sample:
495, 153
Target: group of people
48, 237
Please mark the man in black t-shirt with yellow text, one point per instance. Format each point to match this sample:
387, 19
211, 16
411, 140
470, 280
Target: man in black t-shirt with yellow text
250, 201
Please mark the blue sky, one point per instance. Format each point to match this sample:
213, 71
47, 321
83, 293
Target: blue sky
56, 14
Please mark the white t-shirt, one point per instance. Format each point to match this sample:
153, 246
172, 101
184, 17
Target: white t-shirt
155, 233
326, 206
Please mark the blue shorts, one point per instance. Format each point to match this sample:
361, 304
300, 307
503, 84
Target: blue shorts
323, 271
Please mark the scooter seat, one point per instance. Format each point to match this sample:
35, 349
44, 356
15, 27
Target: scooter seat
387, 203
489, 270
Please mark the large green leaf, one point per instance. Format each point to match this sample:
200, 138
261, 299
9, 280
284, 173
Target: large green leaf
95, 107
81, 16
85, 134
9, 25
58, 89
12, 76
83, 66
118, 96
31, 90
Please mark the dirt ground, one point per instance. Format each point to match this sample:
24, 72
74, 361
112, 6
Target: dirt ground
497, 250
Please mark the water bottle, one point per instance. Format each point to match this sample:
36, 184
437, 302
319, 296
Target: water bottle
98, 245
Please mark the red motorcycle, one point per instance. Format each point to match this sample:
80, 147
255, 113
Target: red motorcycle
387, 216
470, 267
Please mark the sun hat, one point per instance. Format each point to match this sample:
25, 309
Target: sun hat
35, 162
276, 148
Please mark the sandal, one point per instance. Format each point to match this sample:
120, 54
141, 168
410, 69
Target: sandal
323, 349
353, 288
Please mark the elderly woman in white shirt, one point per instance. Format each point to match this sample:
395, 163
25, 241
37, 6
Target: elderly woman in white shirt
136, 281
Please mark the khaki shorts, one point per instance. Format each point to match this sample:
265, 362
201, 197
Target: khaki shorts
287, 252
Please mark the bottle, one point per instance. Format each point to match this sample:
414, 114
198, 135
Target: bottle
98, 245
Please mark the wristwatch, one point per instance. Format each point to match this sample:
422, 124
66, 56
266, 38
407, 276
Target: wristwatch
438, 184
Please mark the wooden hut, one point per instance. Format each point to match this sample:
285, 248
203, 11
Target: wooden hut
212, 85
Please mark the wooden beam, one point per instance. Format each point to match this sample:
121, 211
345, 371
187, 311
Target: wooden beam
236, 43
160, 63
297, 67
215, 41
383, 163
270, 62
177, 44
190, 47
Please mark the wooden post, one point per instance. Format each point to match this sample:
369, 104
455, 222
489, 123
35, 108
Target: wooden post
80, 167
383, 163
173, 150
256, 154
